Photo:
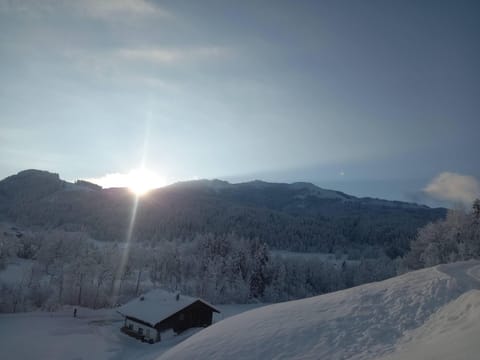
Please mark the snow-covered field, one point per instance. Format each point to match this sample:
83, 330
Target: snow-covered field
427, 314
94, 334
285, 254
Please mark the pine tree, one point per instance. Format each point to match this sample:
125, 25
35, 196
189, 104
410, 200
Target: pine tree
476, 209
258, 280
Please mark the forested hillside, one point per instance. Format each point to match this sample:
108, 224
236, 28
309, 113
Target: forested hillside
64, 243
296, 217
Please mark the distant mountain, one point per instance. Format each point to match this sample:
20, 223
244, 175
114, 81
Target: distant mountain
298, 216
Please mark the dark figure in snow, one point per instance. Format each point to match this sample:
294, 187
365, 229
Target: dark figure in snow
75, 312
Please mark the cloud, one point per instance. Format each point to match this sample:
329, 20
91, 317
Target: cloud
161, 55
27, 7
454, 187
100, 9
111, 180
107, 9
124, 65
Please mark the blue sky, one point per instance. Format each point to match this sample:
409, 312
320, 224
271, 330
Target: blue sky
373, 97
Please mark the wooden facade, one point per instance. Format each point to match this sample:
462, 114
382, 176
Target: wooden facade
197, 314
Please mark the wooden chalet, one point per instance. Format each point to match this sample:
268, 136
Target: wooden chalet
158, 311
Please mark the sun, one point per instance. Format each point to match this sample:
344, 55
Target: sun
141, 181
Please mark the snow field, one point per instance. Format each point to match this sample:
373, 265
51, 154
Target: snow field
451, 333
361, 323
93, 335
427, 314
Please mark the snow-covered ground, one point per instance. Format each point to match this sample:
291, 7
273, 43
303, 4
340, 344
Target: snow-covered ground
285, 254
315, 256
94, 334
451, 333
428, 314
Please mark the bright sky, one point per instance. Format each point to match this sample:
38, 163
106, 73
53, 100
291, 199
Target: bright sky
339, 93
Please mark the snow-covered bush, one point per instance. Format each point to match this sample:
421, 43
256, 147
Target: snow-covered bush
453, 239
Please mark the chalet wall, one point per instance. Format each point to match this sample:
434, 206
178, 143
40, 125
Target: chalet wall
195, 315
150, 333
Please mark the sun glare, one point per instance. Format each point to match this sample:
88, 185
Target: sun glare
141, 181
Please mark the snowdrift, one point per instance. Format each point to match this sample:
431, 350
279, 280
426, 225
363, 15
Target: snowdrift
392, 319
452, 333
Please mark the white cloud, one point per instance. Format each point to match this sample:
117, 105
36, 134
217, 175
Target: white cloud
454, 187
153, 55
101, 9
112, 8
124, 65
172, 55
27, 7
110, 180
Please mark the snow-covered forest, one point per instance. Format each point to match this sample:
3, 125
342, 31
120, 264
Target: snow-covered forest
62, 243
65, 243
59, 267
455, 238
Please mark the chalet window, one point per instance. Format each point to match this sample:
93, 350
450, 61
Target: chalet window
140, 331
130, 326
181, 317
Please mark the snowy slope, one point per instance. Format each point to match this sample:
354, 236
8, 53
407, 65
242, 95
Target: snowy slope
452, 333
365, 322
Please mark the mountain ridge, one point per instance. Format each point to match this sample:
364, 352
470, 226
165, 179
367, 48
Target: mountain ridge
299, 216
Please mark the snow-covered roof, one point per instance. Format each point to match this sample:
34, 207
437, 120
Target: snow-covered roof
157, 305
